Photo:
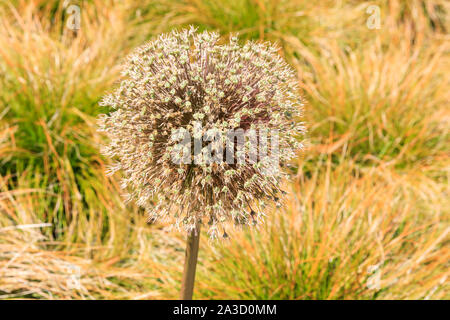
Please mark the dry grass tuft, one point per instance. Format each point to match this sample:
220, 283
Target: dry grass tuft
377, 235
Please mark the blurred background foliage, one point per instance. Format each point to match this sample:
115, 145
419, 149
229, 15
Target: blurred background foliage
367, 216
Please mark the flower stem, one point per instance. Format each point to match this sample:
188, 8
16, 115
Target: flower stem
190, 264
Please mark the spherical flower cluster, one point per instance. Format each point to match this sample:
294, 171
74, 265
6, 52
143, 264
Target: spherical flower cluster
189, 84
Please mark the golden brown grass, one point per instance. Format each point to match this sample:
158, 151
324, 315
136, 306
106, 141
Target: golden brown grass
377, 235
368, 201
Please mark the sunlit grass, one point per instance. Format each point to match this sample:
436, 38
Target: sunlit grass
370, 103
51, 82
377, 235
368, 199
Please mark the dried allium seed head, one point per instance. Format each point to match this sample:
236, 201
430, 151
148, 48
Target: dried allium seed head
187, 80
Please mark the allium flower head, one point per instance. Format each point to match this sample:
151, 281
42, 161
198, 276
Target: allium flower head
188, 84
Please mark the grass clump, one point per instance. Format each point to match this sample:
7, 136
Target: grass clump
52, 79
378, 235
